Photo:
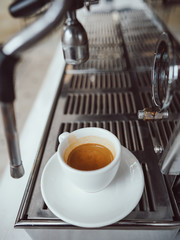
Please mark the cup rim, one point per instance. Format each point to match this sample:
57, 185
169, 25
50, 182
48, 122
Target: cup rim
100, 170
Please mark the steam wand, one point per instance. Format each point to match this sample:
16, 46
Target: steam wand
9, 53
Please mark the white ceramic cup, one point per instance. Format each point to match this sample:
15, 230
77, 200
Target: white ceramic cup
95, 180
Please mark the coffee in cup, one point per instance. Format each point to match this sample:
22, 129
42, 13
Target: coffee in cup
89, 157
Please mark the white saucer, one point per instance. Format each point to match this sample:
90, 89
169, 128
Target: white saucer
92, 210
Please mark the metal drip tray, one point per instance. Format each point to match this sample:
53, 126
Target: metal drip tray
107, 92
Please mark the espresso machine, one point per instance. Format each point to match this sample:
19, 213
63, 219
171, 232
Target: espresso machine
121, 74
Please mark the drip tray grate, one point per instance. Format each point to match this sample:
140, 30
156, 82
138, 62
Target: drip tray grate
105, 103
128, 133
114, 80
107, 92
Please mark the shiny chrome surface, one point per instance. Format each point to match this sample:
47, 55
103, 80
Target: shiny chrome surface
16, 167
74, 40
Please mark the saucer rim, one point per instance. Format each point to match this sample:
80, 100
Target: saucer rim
92, 225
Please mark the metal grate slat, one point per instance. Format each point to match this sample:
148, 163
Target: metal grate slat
109, 103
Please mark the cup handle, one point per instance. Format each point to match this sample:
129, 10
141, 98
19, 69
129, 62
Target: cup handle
62, 136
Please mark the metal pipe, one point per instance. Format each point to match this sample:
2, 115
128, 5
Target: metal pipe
20, 42
16, 167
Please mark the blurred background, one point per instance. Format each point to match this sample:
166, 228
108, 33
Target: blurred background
169, 12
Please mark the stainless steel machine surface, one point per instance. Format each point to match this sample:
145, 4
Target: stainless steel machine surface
107, 91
